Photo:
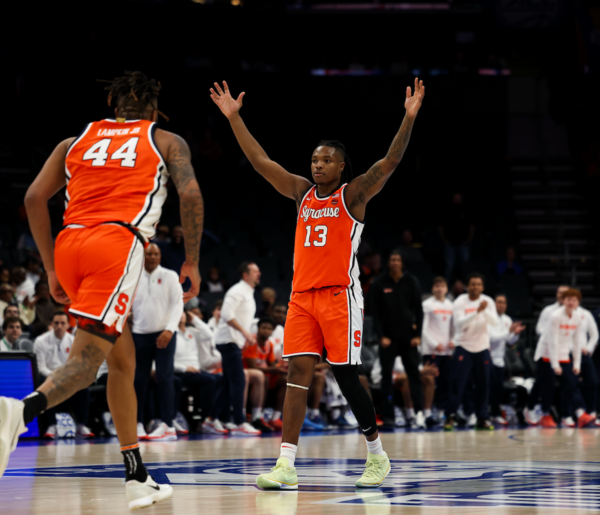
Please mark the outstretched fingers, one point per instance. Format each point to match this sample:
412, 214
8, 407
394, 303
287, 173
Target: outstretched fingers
408, 93
219, 88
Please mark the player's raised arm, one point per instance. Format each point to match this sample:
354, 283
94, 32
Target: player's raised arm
191, 210
49, 181
289, 185
366, 186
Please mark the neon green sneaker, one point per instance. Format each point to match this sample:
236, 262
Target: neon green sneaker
377, 468
281, 477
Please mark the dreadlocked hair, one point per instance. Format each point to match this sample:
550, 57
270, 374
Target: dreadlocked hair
134, 92
347, 174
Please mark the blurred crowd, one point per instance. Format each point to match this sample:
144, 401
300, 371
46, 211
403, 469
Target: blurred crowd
431, 359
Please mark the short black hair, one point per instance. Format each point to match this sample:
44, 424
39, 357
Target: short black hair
60, 313
218, 304
396, 252
11, 305
265, 320
347, 174
501, 294
475, 275
245, 267
11, 320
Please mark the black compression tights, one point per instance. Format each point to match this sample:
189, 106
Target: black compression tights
357, 397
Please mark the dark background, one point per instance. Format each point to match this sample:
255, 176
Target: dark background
51, 57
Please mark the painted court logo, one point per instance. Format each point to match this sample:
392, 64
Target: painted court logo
565, 485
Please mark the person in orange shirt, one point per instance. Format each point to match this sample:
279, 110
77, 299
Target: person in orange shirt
326, 307
115, 172
260, 356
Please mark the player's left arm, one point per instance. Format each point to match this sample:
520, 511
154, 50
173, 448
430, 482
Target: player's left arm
48, 183
181, 171
364, 187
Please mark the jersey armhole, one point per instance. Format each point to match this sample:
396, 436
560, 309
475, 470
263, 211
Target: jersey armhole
343, 195
151, 133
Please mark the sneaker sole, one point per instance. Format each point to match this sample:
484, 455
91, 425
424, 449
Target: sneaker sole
269, 484
149, 500
374, 485
8, 437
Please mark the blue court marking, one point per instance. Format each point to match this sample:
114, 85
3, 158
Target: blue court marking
567, 485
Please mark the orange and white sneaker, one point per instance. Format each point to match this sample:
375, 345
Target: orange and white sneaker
547, 422
567, 422
276, 425
51, 433
245, 429
586, 420
213, 427
163, 433
141, 432
84, 432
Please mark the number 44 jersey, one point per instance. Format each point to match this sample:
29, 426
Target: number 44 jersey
327, 239
115, 172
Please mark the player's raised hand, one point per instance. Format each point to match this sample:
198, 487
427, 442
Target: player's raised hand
228, 105
56, 290
413, 101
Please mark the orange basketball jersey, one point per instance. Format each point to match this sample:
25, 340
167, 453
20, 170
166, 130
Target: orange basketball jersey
116, 173
327, 239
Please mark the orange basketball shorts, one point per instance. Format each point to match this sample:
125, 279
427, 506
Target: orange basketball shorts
99, 268
327, 317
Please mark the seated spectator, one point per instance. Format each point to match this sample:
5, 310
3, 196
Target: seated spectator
216, 315
12, 310
279, 316
370, 270
214, 283
509, 266
7, 293
24, 287
42, 303
4, 274
12, 330
260, 355
269, 298
162, 233
52, 350
33, 269
187, 366
411, 253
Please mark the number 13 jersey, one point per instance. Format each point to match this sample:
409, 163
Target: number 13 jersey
327, 239
115, 172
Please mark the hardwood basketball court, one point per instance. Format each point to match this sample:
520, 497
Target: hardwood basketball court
507, 471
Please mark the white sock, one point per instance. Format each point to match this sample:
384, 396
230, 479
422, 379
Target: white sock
276, 415
410, 413
313, 412
375, 447
256, 413
335, 413
427, 413
593, 414
579, 412
288, 450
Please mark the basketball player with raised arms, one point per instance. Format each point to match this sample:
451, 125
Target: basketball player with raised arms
326, 306
116, 173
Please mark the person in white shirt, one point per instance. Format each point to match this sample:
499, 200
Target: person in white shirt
589, 375
187, 366
564, 335
216, 315
52, 350
473, 313
237, 314
436, 340
505, 333
540, 329
279, 316
12, 329
24, 287
156, 312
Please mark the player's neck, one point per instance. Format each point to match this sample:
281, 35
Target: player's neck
324, 190
396, 275
440, 298
260, 341
473, 297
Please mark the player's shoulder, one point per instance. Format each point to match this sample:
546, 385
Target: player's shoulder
463, 298
487, 298
428, 302
557, 313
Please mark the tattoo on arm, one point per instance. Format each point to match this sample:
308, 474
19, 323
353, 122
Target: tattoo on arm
400, 142
191, 201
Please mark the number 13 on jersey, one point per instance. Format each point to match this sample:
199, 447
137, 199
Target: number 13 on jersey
320, 232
